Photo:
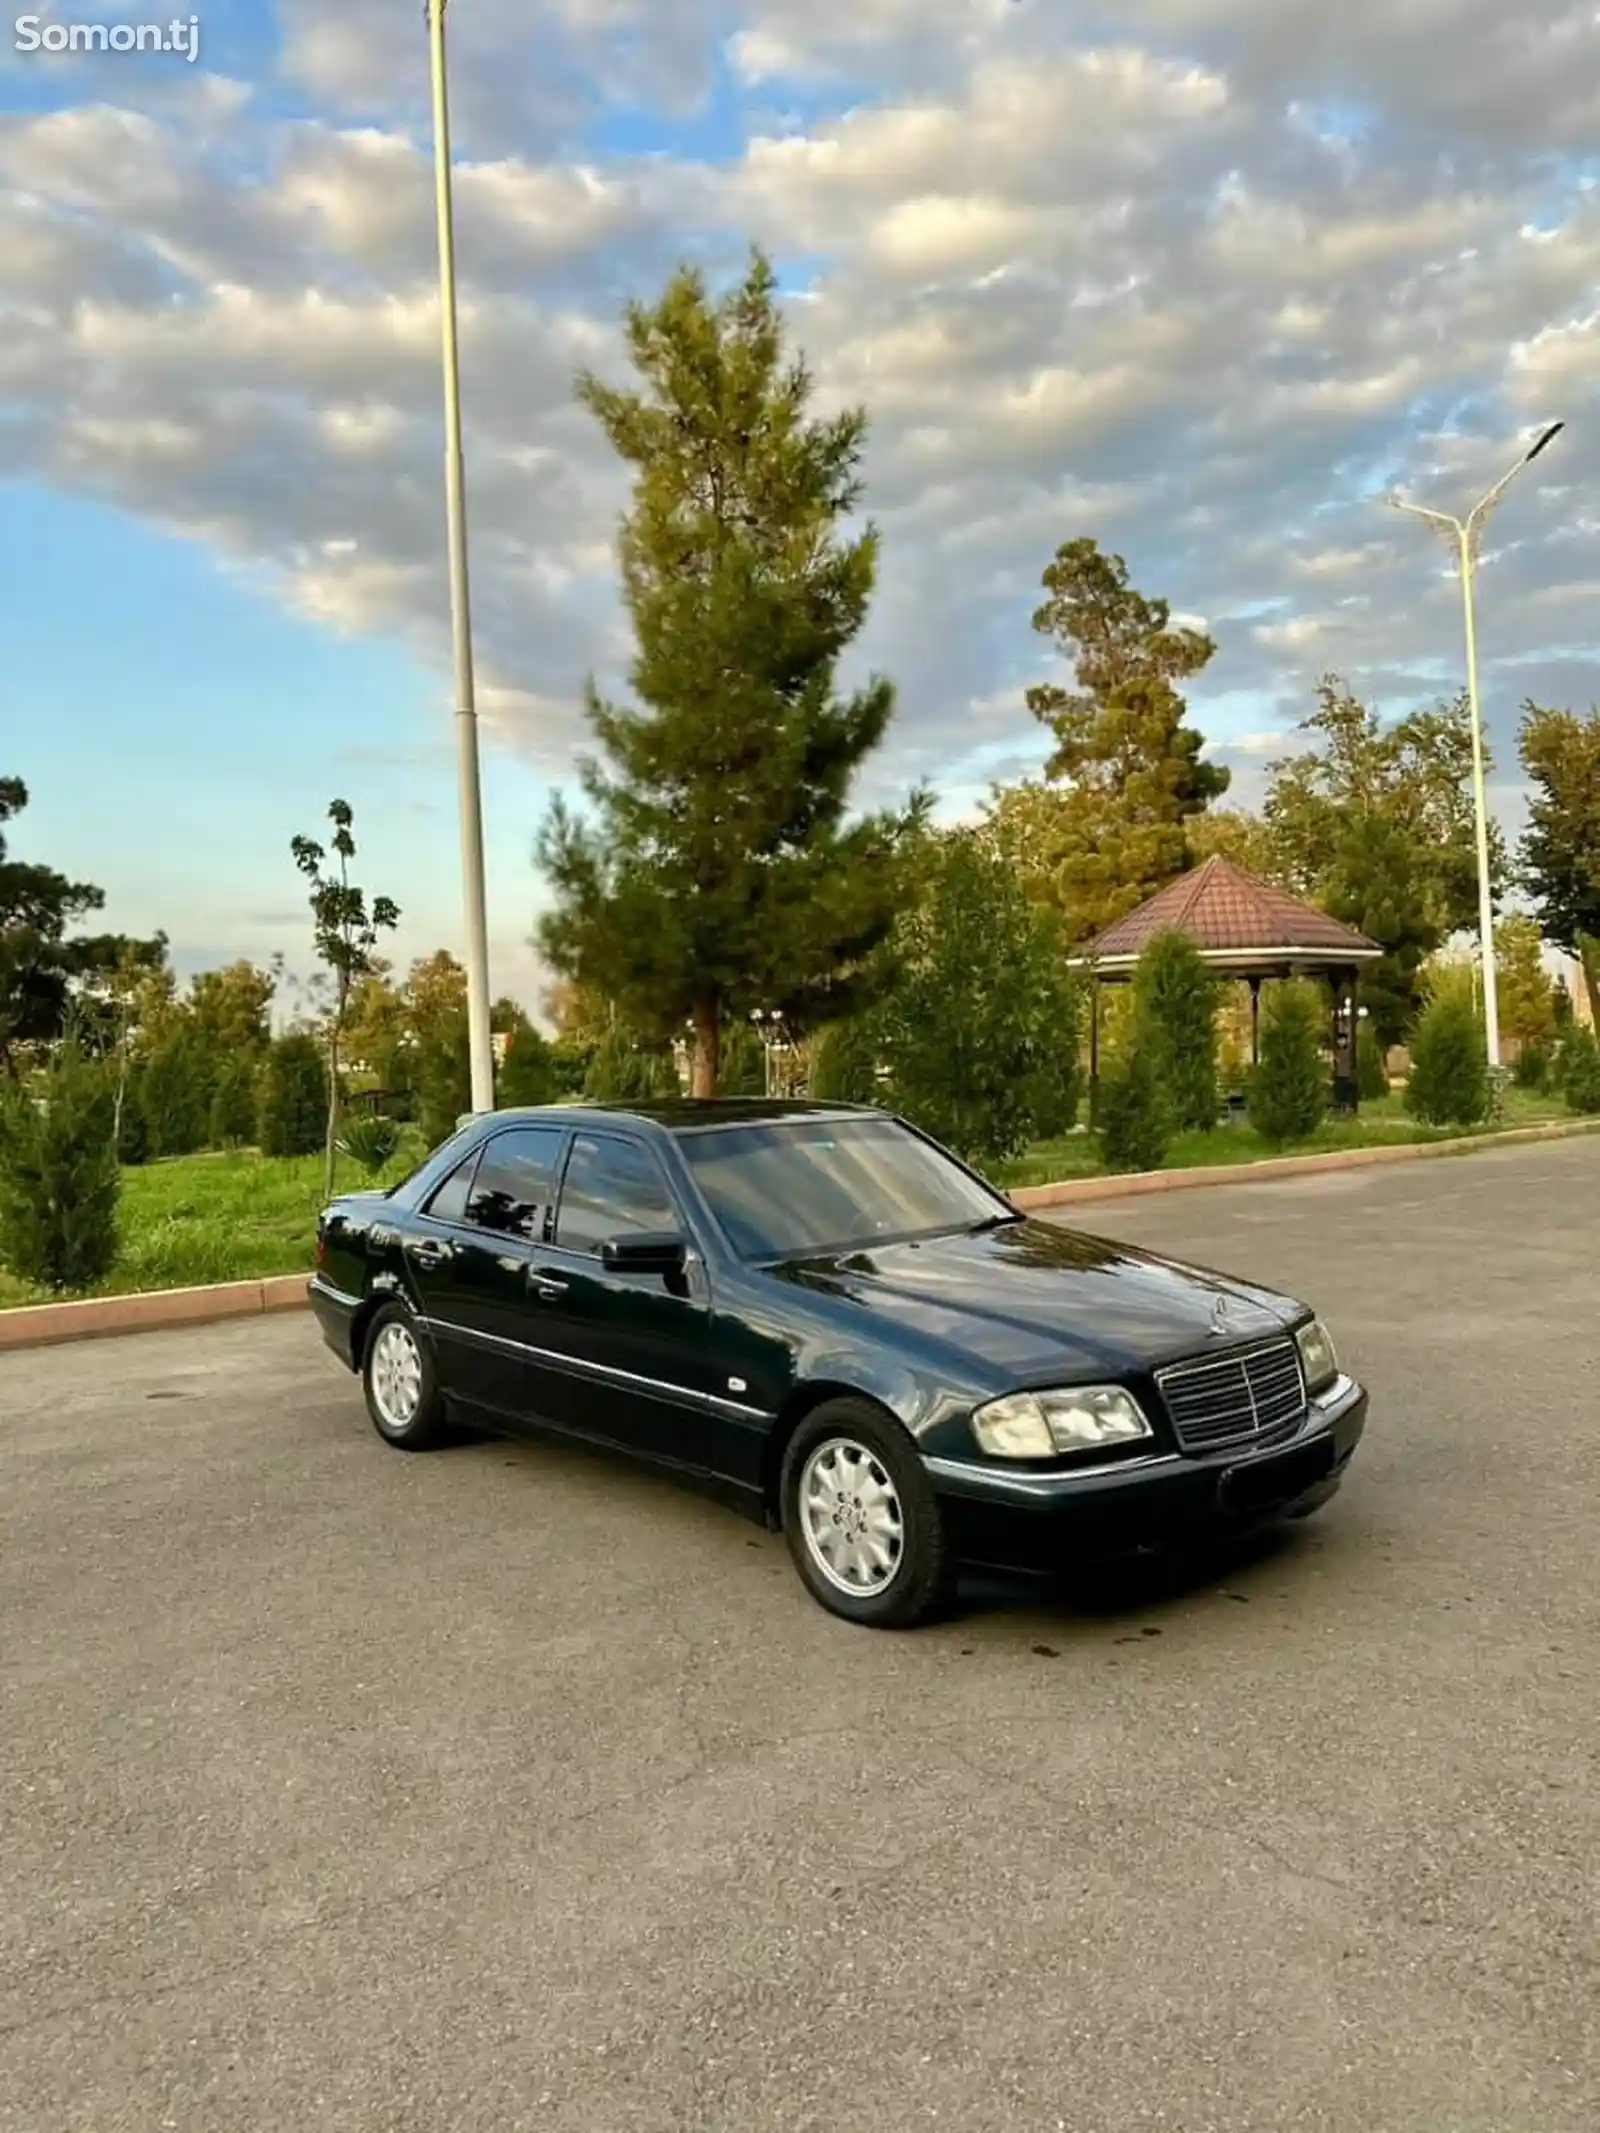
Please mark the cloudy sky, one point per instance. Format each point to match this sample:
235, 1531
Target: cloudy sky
1204, 278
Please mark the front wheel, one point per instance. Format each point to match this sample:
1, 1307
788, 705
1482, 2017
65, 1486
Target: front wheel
402, 1391
862, 1521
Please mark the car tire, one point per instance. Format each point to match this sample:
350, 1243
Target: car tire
862, 1521
400, 1383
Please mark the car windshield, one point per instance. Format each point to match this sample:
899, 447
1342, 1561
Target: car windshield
817, 1185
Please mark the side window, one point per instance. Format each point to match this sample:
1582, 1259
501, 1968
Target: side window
611, 1189
448, 1202
514, 1181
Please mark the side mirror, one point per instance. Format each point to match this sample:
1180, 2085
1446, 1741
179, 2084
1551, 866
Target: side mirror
645, 1252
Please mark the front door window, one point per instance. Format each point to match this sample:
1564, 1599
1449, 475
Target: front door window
612, 1188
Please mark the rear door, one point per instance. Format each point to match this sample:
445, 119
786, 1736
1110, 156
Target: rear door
623, 1356
469, 1256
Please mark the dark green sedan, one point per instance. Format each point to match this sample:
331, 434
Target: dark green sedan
817, 1313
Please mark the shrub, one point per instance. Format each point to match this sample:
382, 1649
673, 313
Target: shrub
1175, 1003
175, 1093
1372, 1065
844, 1062
528, 1071
1134, 1120
1449, 1083
294, 1098
59, 1179
1579, 1071
1289, 1089
1532, 1070
236, 1103
570, 1061
626, 1071
370, 1140
742, 1066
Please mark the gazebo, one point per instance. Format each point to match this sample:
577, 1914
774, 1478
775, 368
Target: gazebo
1245, 929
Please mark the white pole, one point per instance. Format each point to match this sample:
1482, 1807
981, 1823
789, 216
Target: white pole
1463, 537
471, 791
1480, 801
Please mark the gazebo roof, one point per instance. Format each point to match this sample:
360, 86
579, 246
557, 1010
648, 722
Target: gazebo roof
1242, 926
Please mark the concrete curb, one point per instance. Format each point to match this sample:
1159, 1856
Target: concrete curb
46, 1325
1079, 1191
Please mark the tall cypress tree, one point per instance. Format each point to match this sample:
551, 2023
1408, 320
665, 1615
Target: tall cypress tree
718, 873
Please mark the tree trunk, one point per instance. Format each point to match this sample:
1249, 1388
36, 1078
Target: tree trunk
121, 1099
333, 1112
707, 1032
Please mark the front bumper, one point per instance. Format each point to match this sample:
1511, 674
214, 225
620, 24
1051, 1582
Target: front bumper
1006, 1518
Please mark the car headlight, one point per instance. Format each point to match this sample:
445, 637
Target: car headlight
1039, 1425
1317, 1358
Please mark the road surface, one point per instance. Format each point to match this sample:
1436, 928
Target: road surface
504, 1789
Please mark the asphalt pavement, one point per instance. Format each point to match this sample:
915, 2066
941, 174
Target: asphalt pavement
505, 1788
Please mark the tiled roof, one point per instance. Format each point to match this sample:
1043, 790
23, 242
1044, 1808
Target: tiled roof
1222, 908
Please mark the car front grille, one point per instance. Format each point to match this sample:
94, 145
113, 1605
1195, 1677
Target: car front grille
1250, 1396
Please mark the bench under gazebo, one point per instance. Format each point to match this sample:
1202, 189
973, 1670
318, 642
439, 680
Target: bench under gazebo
1244, 929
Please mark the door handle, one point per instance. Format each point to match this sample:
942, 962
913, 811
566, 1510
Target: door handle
430, 1252
547, 1290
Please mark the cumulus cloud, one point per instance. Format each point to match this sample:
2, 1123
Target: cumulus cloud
1204, 280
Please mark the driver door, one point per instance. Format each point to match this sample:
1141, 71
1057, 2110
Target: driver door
621, 1355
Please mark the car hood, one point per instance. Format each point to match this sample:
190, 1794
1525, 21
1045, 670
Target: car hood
1033, 1300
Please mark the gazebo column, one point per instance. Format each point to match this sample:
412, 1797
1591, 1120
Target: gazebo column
1094, 1049
1255, 1022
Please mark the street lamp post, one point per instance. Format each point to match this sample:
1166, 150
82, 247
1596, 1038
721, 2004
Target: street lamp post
471, 790
1465, 536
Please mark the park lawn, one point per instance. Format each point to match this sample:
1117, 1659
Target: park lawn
1380, 1124
242, 1216
209, 1218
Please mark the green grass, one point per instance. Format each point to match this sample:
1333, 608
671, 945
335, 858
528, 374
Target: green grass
210, 1218
241, 1217
1385, 1123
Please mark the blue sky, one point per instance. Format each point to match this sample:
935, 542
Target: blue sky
1185, 280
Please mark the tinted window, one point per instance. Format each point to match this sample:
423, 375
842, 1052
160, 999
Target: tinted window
611, 1189
449, 1202
512, 1187
823, 1184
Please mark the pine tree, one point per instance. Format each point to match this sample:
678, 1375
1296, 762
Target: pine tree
1561, 851
1134, 1122
236, 1099
975, 1019
1578, 1071
1372, 1065
59, 1180
1127, 776
719, 874
1289, 1088
1175, 1001
528, 1071
176, 1089
1449, 1084
294, 1097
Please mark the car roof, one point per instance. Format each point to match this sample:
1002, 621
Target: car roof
680, 1115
